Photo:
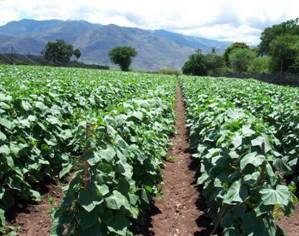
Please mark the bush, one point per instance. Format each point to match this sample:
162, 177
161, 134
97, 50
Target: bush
195, 65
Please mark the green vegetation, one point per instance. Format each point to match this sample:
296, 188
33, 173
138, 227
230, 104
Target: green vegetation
240, 59
231, 48
277, 52
122, 56
44, 115
260, 64
290, 27
195, 65
284, 50
60, 52
246, 147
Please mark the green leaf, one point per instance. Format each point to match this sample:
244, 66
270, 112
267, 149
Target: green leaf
254, 225
4, 149
26, 105
237, 140
116, 201
138, 115
53, 120
204, 176
262, 142
251, 159
251, 179
5, 98
6, 123
86, 200
2, 191
87, 219
247, 131
66, 169
95, 230
236, 193
35, 195
281, 165
117, 224
2, 136
102, 189
280, 195
2, 220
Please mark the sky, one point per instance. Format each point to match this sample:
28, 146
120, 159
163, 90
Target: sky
226, 20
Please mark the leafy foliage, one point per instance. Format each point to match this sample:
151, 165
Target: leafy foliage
231, 48
260, 64
195, 65
284, 51
124, 156
240, 59
290, 27
122, 56
41, 112
59, 52
243, 151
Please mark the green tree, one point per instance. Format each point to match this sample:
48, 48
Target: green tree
195, 65
260, 64
122, 56
241, 58
231, 48
77, 53
213, 61
269, 34
59, 52
284, 51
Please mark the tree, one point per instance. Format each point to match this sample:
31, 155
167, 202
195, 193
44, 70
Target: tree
260, 64
284, 50
213, 61
122, 56
195, 65
231, 48
59, 52
77, 53
290, 27
241, 58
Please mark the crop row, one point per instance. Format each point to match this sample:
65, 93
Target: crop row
236, 132
42, 111
124, 152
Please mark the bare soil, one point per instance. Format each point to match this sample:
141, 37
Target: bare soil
35, 219
290, 225
180, 210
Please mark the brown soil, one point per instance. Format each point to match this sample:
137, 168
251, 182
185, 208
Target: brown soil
35, 220
290, 225
179, 210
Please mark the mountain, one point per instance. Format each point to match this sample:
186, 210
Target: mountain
156, 48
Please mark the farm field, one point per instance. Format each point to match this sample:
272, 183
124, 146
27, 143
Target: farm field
245, 134
121, 146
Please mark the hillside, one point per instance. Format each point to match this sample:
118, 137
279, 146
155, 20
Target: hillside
157, 48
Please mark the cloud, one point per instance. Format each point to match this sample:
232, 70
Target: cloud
217, 19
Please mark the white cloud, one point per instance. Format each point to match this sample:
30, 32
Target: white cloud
218, 19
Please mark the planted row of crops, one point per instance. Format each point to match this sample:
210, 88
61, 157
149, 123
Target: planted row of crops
45, 115
245, 135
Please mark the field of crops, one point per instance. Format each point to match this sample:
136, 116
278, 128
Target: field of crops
245, 134
113, 127
108, 133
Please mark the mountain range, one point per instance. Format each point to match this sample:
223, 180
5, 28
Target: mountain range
156, 48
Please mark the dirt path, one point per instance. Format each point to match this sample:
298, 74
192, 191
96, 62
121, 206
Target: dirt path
178, 211
290, 225
35, 220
